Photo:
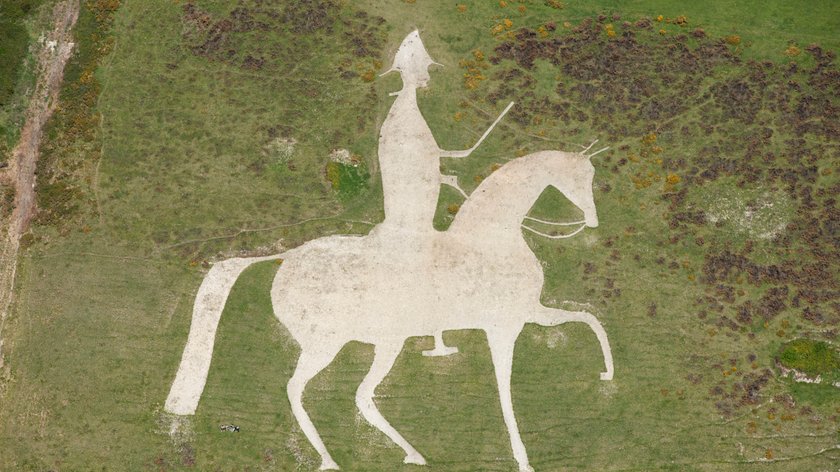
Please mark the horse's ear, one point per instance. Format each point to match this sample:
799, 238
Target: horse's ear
590, 156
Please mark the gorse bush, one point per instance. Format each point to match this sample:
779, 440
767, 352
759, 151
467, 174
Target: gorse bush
347, 180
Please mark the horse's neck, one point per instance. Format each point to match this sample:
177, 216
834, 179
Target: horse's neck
501, 202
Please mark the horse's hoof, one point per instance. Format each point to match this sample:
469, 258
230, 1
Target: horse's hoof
606, 376
328, 464
439, 352
527, 468
414, 458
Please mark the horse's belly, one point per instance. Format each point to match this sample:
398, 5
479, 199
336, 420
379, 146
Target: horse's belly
350, 290
479, 278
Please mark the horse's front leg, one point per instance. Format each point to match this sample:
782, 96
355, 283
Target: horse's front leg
554, 317
501, 349
596, 327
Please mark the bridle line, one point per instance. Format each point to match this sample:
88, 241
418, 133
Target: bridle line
553, 223
562, 236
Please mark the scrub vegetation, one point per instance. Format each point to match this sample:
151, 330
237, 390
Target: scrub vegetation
15, 70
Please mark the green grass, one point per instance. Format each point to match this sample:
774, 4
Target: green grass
823, 395
15, 40
187, 176
16, 75
347, 180
809, 356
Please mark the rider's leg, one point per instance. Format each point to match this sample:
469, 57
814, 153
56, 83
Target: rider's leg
441, 349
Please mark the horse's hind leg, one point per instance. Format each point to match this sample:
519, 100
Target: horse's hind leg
501, 350
311, 362
383, 360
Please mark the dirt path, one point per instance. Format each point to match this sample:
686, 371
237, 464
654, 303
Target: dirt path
56, 49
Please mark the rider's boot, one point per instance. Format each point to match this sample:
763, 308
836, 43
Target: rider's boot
440, 349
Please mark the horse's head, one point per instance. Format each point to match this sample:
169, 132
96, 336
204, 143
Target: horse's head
412, 61
503, 200
572, 174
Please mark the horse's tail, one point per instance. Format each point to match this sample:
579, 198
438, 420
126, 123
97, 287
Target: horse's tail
195, 362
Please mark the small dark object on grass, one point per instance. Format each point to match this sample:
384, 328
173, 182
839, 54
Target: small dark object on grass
228, 428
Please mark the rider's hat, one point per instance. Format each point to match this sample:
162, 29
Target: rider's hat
411, 54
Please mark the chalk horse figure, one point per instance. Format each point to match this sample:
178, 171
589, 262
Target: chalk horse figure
393, 284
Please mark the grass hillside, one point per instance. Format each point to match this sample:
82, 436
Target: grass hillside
194, 131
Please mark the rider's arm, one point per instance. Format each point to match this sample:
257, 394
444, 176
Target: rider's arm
457, 154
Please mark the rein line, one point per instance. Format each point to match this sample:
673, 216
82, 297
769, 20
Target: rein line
561, 236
